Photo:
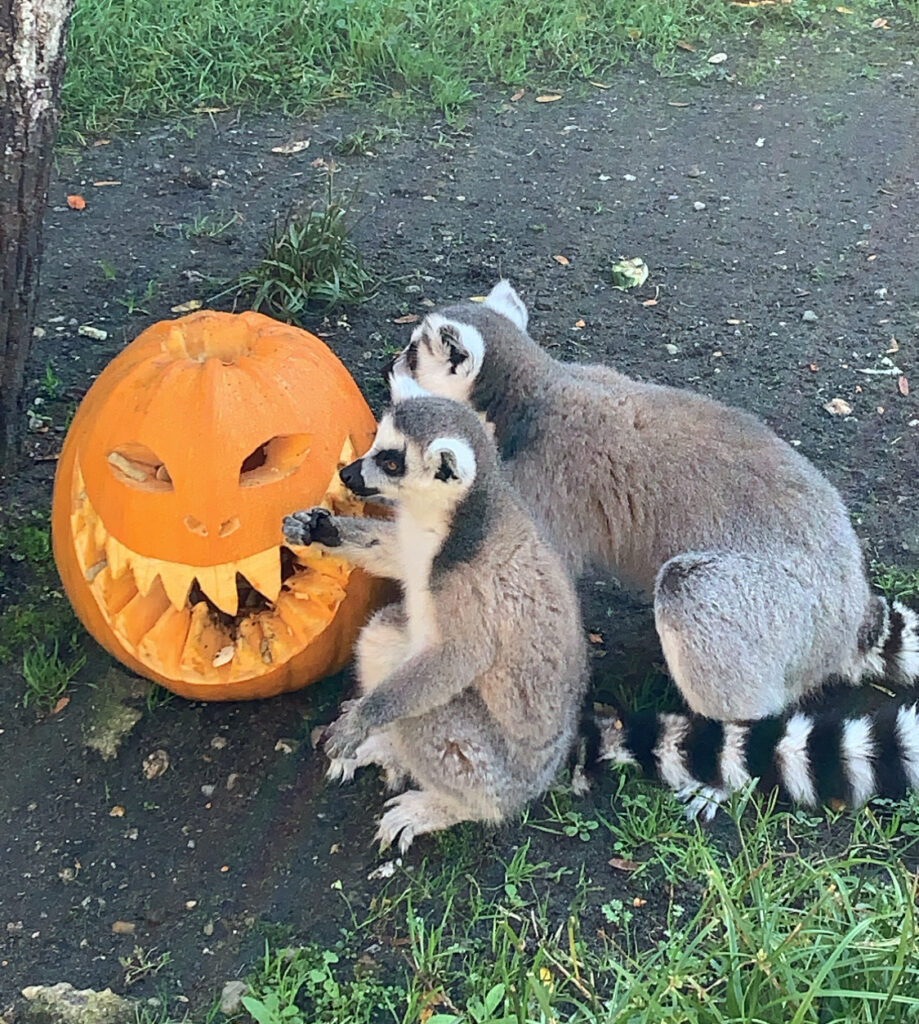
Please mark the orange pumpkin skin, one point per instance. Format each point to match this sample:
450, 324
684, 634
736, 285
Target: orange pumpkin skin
176, 472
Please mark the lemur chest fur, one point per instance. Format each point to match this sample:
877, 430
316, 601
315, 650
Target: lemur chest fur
421, 535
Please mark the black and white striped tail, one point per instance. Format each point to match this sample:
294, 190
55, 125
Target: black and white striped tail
891, 642
814, 757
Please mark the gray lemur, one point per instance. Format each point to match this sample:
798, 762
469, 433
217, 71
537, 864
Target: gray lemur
473, 684
759, 585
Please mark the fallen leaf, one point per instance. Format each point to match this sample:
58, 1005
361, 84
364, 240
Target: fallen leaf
880, 23
733, 321
76, 202
409, 318
872, 257
579, 324
624, 864
60, 705
595, 638
599, 85
563, 260
518, 95
903, 386
155, 764
187, 307
549, 97
123, 928
116, 812
650, 302
838, 407
103, 184
634, 34
894, 346
844, 10
224, 869
102, 142
289, 148
638, 902
813, 367
717, 58
209, 110
677, 103
683, 45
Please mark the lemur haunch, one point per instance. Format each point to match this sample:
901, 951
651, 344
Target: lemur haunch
472, 685
812, 757
759, 585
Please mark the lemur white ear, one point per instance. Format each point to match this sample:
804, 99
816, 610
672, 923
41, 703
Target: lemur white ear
503, 299
402, 385
452, 460
458, 344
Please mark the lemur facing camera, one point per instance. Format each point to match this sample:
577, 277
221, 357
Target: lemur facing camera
472, 685
758, 580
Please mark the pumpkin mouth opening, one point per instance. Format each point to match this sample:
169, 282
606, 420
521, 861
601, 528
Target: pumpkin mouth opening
210, 624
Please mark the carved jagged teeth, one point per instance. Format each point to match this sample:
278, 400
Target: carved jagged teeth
263, 571
177, 580
219, 583
118, 557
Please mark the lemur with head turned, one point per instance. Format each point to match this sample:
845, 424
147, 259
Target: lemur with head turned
472, 685
758, 581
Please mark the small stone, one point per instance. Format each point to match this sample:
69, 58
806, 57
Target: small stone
218, 742
208, 928
672, 349
232, 779
123, 928
191, 904
694, 172
231, 997
809, 316
208, 791
838, 407
629, 177
286, 746
96, 333
698, 206
63, 1004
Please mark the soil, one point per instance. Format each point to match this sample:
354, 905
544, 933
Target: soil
810, 203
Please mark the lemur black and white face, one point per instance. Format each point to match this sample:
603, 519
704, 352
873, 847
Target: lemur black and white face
447, 351
410, 459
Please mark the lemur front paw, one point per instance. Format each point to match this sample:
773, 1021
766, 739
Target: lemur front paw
346, 733
311, 526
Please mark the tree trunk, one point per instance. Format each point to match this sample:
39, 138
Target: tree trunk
32, 40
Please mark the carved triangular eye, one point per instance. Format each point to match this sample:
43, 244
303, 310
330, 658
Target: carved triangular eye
274, 459
138, 466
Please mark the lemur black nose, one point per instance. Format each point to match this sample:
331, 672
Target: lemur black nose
352, 477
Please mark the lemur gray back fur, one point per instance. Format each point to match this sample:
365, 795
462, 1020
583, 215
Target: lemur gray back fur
758, 579
471, 685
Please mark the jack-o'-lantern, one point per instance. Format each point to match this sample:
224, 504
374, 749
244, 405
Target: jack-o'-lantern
177, 470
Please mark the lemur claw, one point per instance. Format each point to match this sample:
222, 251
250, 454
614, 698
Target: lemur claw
311, 526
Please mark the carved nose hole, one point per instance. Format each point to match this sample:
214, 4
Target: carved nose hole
230, 526
196, 526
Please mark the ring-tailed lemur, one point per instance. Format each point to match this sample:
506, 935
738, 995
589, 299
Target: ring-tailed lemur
759, 585
813, 757
472, 685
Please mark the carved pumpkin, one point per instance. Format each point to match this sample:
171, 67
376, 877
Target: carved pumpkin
179, 466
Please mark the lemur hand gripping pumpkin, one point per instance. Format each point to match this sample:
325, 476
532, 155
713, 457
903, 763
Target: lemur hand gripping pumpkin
180, 464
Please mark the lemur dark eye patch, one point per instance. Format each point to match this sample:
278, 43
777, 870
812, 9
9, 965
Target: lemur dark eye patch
391, 461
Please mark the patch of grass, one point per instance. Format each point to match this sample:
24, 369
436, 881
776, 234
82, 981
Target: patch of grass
363, 141
158, 697
774, 917
31, 602
208, 225
47, 675
896, 583
310, 264
148, 58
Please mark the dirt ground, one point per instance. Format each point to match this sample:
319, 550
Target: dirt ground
751, 205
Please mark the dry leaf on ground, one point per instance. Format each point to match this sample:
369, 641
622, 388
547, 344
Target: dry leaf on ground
903, 386
409, 318
549, 97
76, 202
838, 407
563, 260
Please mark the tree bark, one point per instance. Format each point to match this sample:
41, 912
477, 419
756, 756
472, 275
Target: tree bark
32, 45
